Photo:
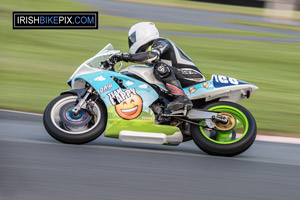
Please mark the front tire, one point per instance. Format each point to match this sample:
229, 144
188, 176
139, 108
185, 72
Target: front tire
64, 127
229, 143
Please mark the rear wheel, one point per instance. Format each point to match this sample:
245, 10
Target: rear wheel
226, 143
62, 125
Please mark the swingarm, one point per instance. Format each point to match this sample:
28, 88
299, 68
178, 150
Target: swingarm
222, 121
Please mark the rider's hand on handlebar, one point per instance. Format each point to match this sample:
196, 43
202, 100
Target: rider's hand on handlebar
111, 61
116, 58
106, 64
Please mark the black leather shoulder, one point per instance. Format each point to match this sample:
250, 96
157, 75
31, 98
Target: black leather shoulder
161, 44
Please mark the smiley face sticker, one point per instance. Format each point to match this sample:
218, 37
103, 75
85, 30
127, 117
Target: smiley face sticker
130, 108
127, 103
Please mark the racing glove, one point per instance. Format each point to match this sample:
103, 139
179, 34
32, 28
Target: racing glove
119, 57
141, 57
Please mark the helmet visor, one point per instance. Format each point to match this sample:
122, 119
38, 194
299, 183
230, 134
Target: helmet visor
132, 39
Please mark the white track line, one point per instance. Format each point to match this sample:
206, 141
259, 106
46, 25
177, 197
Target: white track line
264, 138
288, 140
20, 112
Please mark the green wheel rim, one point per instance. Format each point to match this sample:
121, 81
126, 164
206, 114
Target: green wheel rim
226, 137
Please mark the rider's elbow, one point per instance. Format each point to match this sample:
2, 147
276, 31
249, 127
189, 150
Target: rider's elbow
153, 56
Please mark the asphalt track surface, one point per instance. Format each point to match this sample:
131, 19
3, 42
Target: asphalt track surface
36, 167
181, 16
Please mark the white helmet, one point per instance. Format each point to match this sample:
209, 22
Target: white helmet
141, 34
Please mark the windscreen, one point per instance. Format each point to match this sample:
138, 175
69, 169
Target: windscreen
101, 56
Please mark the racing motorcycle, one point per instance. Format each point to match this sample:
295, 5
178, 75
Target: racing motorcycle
130, 105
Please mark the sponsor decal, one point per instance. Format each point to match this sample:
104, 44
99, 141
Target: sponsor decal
105, 88
128, 103
99, 78
189, 71
206, 85
192, 90
221, 81
225, 79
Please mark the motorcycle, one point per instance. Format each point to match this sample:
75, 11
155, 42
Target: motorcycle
130, 105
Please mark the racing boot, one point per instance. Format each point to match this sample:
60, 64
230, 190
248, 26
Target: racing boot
181, 99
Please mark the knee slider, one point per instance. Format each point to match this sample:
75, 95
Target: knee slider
162, 70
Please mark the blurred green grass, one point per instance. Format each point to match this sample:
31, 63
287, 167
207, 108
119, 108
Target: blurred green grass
125, 22
35, 65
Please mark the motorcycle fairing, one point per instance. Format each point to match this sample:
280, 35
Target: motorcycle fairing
210, 90
139, 117
220, 87
127, 107
99, 81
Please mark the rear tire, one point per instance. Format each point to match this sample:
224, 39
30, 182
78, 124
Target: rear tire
80, 135
206, 140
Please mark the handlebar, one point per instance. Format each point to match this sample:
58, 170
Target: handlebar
108, 65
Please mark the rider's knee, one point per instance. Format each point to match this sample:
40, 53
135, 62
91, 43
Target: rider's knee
162, 70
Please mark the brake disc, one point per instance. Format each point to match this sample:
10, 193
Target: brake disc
229, 125
70, 120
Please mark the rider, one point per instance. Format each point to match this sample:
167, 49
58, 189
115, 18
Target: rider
171, 65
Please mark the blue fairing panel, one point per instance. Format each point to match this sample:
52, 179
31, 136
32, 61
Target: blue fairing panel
111, 93
216, 82
223, 81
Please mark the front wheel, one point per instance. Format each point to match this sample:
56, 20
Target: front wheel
62, 125
226, 143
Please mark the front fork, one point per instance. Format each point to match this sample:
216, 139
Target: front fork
78, 107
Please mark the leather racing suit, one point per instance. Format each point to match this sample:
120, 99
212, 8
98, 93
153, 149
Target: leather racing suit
171, 66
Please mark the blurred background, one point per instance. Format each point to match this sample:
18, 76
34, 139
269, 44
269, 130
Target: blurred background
255, 41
